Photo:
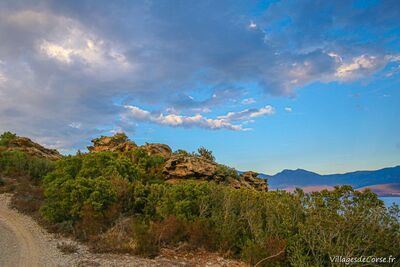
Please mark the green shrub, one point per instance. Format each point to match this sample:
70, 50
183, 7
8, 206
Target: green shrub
182, 152
145, 241
268, 252
6, 138
344, 222
227, 172
186, 200
66, 197
18, 163
205, 153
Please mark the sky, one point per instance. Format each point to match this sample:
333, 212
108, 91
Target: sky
265, 85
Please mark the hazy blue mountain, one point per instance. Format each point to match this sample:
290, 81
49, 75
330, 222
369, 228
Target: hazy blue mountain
358, 179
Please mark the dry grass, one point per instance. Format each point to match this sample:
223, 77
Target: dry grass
117, 239
67, 248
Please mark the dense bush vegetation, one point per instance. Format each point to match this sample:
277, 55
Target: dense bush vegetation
287, 228
119, 202
13, 162
19, 163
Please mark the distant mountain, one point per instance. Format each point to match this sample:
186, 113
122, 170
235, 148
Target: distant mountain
381, 181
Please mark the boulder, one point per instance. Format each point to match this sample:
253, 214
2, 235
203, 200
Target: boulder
119, 142
29, 147
157, 149
181, 166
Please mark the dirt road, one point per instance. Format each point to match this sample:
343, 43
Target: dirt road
22, 241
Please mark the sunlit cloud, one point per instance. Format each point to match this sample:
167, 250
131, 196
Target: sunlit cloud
252, 25
174, 120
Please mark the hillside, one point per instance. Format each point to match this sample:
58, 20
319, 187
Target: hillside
12, 142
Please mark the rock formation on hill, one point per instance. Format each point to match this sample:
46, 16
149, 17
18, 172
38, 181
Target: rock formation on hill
29, 147
119, 142
181, 166
157, 149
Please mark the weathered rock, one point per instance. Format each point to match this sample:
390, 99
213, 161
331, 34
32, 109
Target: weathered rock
118, 142
190, 167
158, 149
181, 166
29, 147
250, 180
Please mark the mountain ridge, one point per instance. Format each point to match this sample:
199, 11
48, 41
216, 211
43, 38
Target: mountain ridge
288, 179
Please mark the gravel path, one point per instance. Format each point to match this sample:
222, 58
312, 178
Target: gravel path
23, 243
9, 247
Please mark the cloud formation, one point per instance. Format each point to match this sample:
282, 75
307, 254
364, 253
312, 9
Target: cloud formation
248, 114
198, 120
64, 64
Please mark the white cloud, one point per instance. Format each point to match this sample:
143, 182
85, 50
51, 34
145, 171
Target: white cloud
76, 125
248, 101
198, 120
335, 56
73, 43
252, 25
57, 52
362, 62
288, 109
333, 68
248, 113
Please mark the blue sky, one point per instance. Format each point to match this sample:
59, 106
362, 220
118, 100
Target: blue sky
266, 85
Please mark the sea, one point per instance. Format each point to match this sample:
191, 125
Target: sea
390, 200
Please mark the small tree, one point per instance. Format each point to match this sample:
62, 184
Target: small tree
205, 153
6, 137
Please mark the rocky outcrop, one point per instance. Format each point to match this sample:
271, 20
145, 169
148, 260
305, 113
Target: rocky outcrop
181, 166
250, 180
157, 149
119, 142
29, 147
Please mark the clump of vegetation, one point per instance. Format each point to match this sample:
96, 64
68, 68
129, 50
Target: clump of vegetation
6, 138
201, 152
226, 171
18, 163
182, 152
205, 153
